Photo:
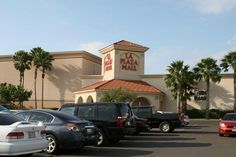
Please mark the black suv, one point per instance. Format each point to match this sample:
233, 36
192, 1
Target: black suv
113, 120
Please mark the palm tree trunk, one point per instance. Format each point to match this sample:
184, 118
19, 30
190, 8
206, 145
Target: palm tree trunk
43, 74
178, 102
234, 90
207, 98
35, 88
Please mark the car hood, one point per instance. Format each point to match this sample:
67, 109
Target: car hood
232, 123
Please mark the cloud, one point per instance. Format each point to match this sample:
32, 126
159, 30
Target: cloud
212, 6
93, 47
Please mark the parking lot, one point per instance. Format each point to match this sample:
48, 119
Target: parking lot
198, 139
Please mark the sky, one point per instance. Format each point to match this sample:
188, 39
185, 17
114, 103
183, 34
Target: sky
187, 30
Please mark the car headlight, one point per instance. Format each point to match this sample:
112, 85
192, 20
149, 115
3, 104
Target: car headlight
222, 125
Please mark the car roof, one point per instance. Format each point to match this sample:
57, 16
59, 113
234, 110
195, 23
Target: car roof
52, 112
96, 103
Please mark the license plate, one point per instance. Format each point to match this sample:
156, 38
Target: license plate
233, 130
31, 134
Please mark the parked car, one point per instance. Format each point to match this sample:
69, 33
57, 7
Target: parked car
4, 109
165, 121
141, 125
113, 120
62, 131
18, 137
227, 125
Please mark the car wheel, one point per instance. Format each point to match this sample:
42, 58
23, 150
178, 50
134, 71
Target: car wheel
221, 134
52, 144
101, 138
165, 127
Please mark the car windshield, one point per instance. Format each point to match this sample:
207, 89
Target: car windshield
8, 119
230, 117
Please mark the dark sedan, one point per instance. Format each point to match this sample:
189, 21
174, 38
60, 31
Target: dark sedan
62, 131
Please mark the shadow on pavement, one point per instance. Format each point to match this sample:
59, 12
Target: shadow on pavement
143, 138
106, 152
148, 144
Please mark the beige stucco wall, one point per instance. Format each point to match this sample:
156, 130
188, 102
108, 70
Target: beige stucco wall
129, 74
110, 74
85, 96
60, 82
168, 104
221, 94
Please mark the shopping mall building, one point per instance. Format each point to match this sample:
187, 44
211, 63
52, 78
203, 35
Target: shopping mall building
79, 76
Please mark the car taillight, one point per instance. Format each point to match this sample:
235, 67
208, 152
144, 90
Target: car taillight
222, 124
119, 122
15, 135
72, 127
43, 133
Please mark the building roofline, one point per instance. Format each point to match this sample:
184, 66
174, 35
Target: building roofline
63, 55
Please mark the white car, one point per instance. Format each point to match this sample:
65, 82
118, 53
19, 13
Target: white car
18, 137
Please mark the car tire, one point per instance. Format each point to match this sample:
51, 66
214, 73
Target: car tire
102, 140
52, 144
165, 127
221, 134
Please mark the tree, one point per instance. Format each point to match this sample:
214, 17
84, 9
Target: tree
44, 64
228, 61
207, 70
36, 54
9, 94
117, 95
22, 61
181, 82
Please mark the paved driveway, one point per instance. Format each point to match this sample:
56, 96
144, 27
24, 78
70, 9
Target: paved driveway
200, 139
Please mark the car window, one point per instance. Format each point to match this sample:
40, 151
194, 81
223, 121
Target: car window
87, 112
125, 111
37, 116
23, 115
68, 110
135, 110
107, 112
3, 108
8, 119
230, 117
144, 112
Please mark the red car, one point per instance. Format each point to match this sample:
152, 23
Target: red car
228, 124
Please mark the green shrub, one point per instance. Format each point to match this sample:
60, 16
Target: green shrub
213, 113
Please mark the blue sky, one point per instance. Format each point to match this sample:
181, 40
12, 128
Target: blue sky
187, 30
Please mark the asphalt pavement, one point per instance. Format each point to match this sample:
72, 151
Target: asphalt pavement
199, 139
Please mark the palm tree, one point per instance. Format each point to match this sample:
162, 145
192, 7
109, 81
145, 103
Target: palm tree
22, 61
36, 53
207, 70
44, 64
180, 80
228, 61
